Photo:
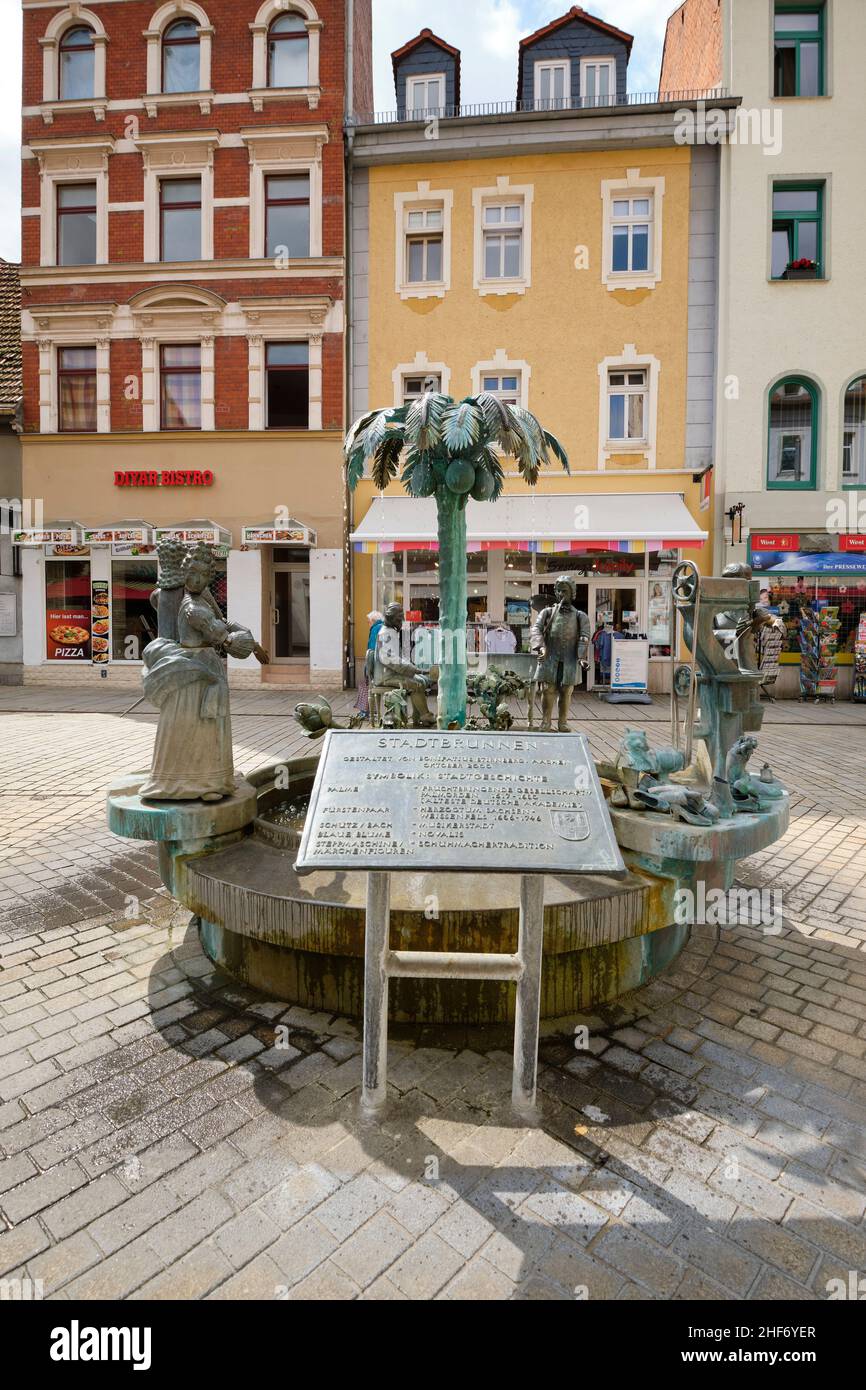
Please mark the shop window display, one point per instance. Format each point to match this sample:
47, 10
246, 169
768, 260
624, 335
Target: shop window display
792, 596
67, 610
659, 617
133, 621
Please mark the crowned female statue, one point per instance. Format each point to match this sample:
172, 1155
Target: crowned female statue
185, 677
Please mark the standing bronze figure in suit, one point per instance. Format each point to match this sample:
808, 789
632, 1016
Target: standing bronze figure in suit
560, 639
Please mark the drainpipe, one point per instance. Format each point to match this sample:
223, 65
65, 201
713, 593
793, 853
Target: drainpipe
348, 291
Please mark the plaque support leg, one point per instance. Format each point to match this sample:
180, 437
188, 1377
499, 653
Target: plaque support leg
376, 990
528, 1006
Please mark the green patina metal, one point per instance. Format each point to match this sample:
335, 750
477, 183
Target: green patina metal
232, 863
450, 451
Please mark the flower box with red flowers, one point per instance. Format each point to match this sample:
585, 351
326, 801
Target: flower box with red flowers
804, 269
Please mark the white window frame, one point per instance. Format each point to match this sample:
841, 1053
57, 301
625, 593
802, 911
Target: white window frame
153, 35
257, 365
73, 17
630, 221
72, 161
423, 198
502, 365
424, 234
634, 185
260, 93
419, 79
284, 322
599, 62
626, 389
286, 151
857, 478
504, 192
406, 397
151, 386
55, 326
177, 156
630, 360
553, 65
422, 366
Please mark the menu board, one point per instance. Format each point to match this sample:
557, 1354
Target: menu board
100, 626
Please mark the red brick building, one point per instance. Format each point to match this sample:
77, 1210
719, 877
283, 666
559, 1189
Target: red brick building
183, 281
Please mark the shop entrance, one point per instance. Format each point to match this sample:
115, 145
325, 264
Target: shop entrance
290, 607
614, 607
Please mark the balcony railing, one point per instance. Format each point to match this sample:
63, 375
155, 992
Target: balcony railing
551, 105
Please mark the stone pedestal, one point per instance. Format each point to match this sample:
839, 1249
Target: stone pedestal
182, 829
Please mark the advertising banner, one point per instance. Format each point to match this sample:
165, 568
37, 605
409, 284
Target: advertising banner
67, 632
100, 626
806, 562
629, 668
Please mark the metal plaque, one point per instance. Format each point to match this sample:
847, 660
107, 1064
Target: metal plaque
458, 802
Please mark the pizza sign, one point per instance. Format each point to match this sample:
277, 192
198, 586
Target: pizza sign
68, 633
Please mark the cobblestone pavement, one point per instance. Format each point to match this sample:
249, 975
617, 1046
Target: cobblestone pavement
156, 1142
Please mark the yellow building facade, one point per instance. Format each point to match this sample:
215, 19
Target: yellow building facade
571, 270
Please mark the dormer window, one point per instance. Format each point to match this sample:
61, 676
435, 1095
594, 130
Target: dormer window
180, 57
598, 81
77, 64
288, 52
425, 96
552, 86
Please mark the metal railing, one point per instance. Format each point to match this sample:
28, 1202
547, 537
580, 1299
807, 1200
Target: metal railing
543, 106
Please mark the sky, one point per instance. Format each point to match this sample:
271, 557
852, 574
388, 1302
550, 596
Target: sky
486, 31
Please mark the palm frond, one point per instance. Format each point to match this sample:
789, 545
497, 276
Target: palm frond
528, 448
375, 433
424, 419
488, 458
461, 426
526, 423
556, 449
355, 468
386, 461
360, 424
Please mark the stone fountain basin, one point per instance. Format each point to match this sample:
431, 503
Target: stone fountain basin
302, 939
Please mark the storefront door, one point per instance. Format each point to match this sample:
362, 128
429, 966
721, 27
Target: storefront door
290, 612
614, 606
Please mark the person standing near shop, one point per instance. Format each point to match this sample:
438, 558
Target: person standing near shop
375, 619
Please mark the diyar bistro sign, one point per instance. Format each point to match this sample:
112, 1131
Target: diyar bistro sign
166, 477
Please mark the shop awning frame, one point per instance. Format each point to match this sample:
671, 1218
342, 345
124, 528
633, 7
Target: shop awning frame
134, 532
532, 521
199, 531
53, 533
292, 533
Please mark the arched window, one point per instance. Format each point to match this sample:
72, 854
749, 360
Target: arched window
77, 64
793, 447
854, 435
180, 57
288, 52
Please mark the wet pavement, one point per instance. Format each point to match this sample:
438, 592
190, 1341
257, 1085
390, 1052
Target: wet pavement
167, 1134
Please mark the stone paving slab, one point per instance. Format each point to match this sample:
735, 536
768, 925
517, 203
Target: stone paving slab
157, 1143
